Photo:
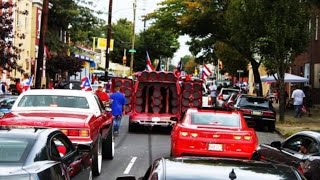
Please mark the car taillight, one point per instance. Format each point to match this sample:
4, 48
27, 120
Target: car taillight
246, 111
267, 113
76, 132
239, 137
189, 134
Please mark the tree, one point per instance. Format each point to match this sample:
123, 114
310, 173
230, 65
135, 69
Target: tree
9, 54
231, 59
60, 64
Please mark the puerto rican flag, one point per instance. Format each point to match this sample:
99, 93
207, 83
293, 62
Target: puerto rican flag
149, 64
86, 85
27, 84
206, 72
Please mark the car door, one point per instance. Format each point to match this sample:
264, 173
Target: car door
61, 149
289, 152
104, 119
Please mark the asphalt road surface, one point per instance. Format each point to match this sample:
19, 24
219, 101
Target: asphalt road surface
134, 152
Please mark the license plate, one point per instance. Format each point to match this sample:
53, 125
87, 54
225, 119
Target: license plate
215, 147
155, 119
257, 113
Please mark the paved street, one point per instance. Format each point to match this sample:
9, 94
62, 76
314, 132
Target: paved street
135, 151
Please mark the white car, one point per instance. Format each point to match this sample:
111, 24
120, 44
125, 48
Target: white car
224, 95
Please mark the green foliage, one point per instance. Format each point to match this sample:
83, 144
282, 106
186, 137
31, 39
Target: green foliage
231, 59
59, 64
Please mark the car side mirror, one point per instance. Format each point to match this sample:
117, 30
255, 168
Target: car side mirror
276, 144
83, 148
126, 178
108, 109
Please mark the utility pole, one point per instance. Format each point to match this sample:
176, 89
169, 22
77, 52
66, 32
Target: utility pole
109, 29
43, 31
133, 35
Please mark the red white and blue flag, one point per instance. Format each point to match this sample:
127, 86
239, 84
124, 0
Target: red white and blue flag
206, 72
27, 84
149, 64
86, 85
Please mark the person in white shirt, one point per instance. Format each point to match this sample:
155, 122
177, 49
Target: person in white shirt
297, 96
213, 92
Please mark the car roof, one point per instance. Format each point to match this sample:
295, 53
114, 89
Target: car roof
230, 89
63, 92
214, 110
252, 96
23, 132
188, 168
314, 134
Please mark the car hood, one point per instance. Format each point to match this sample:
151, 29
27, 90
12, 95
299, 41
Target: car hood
13, 170
46, 119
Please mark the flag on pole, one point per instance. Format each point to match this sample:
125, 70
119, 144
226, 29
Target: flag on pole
149, 64
178, 70
86, 85
206, 72
27, 84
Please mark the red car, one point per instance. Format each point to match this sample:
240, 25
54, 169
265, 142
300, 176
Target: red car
213, 132
78, 114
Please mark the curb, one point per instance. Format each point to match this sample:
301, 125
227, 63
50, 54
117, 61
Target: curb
276, 130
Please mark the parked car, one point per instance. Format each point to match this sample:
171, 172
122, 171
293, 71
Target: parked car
258, 111
229, 103
204, 168
289, 152
68, 84
42, 154
79, 114
213, 132
6, 103
224, 95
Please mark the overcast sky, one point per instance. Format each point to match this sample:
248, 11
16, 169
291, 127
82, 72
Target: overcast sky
124, 9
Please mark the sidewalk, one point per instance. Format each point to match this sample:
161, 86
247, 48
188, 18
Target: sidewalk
293, 125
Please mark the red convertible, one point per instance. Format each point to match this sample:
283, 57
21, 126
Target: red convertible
213, 132
79, 114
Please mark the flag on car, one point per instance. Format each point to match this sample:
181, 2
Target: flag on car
27, 84
206, 72
86, 85
149, 64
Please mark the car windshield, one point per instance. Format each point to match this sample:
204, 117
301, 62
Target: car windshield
254, 102
53, 101
13, 150
215, 119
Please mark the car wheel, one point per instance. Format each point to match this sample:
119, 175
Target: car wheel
108, 146
132, 127
97, 158
272, 127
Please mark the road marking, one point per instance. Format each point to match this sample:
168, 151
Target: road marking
130, 165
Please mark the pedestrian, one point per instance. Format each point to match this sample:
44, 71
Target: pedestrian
102, 95
297, 96
213, 92
117, 106
308, 100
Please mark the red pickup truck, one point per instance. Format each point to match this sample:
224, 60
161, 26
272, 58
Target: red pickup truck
79, 114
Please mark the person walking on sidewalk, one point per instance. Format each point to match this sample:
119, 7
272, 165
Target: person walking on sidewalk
298, 96
117, 106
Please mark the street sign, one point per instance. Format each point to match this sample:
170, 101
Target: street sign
132, 51
239, 71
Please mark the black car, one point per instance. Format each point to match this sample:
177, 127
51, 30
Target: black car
289, 152
68, 84
201, 168
42, 154
6, 103
258, 111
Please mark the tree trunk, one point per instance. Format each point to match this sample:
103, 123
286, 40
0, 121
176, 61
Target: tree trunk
256, 74
282, 104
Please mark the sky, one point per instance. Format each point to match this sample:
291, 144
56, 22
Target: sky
124, 9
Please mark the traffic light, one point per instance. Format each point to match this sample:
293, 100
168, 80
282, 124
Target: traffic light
124, 60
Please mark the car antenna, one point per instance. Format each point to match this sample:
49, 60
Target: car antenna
232, 175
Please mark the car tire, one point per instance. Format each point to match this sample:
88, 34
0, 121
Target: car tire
108, 146
272, 127
97, 158
132, 127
